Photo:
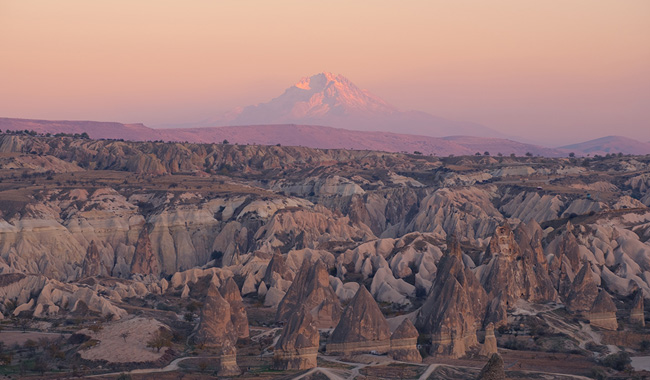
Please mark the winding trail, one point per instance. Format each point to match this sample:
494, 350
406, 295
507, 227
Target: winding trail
331, 373
173, 366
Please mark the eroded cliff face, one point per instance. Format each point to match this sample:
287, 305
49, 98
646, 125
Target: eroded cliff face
458, 244
54, 236
297, 347
312, 291
454, 310
362, 328
514, 270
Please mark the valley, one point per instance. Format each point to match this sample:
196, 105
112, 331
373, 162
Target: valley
193, 260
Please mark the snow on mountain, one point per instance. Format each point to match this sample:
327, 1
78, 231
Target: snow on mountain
332, 100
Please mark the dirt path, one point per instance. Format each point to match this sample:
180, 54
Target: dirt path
173, 366
428, 372
326, 371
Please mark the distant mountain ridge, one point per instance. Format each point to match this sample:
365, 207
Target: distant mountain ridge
610, 144
288, 134
327, 137
333, 100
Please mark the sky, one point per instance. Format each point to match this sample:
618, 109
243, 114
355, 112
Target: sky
550, 72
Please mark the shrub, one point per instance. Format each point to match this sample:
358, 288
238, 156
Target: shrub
618, 361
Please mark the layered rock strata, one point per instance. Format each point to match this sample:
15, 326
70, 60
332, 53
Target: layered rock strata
362, 328
404, 343
454, 309
312, 288
637, 315
216, 330
230, 292
603, 312
297, 347
489, 346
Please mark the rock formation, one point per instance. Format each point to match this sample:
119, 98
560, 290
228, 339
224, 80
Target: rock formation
454, 309
637, 315
489, 346
228, 361
312, 288
565, 248
493, 369
145, 261
515, 270
297, 347
230, 292
362, 328
404, 343
277, 268
583, 291
92, 265
217, 330
603, 312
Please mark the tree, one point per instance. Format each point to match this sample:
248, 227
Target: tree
572, 154
125, 335
84, 135
528, 154
226, 142
477, 154
417, 152
161, 338
486, 153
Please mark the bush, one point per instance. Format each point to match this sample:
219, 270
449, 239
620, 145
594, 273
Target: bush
618, 361
645, 345
598, 374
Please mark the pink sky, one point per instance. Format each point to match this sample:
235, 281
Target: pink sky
550, 71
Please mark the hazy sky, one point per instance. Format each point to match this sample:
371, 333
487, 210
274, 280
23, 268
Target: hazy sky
564, 70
